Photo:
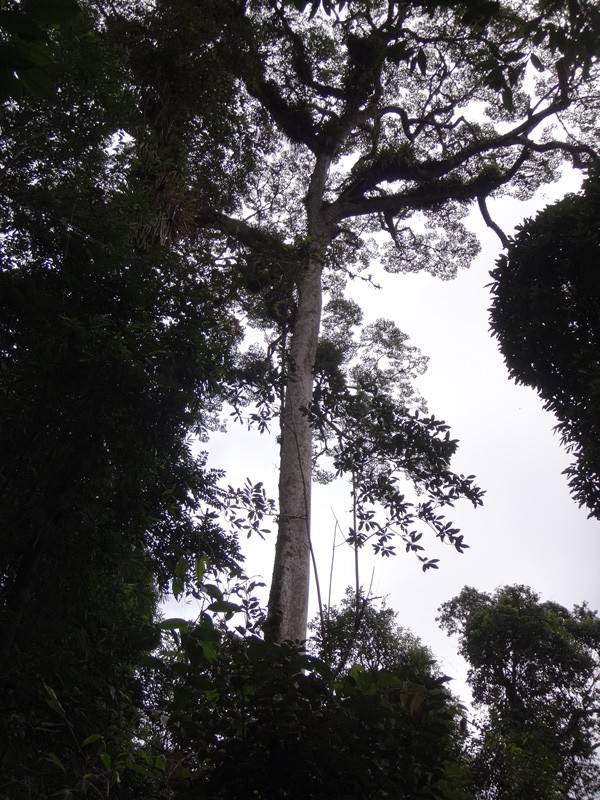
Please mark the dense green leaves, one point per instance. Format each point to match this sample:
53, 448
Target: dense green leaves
111, 351
265, 721
364, 106
154, 188
535, 667
371, 425
30, 61
359, 633
546, 295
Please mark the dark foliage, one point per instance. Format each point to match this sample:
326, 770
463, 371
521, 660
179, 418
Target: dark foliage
534, 670
126, 139
111, 350
545, 314
266, 721
359, 632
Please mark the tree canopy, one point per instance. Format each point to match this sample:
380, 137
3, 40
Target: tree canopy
360, 633
268, 721
368, 107
546, 294
534, 667
111, 345
177, 176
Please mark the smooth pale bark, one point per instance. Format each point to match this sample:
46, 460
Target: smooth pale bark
288, 599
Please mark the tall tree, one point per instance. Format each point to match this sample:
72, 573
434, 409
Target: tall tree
361, 632
390, 116
534, 669
546, 295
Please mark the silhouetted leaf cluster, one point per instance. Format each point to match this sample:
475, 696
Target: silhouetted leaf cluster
546, 297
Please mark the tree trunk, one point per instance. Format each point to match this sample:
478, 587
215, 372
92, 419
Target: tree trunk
288, 599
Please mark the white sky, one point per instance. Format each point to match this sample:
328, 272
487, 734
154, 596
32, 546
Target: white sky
528, 531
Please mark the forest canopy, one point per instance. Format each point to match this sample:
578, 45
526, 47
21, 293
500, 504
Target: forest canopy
178, 179
546, 296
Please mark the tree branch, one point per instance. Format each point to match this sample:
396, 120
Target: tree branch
490, 222
301, 62
245, 234
429, 194
294, 119
403, 168
574, 150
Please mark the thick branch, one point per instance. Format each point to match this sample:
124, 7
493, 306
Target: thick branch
362, 92
365, 60
294, 119
404, 168
314, 197
490, 222
427, 195
243, 232
574, 150
302, 65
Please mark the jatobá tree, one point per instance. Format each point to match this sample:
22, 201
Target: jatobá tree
533, 670
361, 115
546, 295
391, 116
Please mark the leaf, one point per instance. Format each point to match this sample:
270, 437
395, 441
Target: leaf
35, 54
177, 587
224, 606
213, 591
54, 759
10, 85
38, 83
200, 567
53, 701
212, 695
181, 568
138, 769
12, 58
95, 737
106, 761
417, 700
209, 650
87, 782
20, 24
537, 63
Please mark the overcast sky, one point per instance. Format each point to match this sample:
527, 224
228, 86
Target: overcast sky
528, 531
